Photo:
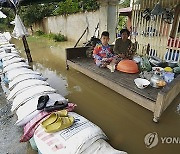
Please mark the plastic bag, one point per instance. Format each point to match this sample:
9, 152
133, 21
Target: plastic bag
145, 65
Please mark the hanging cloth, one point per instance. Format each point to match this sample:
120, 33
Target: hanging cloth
2, 15
19, 29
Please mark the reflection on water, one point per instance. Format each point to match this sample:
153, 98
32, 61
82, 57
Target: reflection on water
124, 122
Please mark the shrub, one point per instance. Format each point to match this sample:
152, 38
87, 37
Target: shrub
56, 37
39, 33
59, 38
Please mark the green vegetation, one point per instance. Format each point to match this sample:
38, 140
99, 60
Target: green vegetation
123, 19
39, 33
125, 3
33, 13
56, 37
74, 6
36, 12
5, 23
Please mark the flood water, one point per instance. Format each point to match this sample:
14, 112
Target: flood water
124, 122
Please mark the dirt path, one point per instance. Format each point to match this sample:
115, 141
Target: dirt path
10, 133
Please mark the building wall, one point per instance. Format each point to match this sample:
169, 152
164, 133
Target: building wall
72, 26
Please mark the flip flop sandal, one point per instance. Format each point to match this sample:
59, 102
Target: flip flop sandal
53, 117
58, 105
62, 113
60, 124
42, 101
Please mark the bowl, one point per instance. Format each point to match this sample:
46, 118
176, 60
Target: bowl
168, 69
137, 59
172, 64
159, 69
127, 66
141, 83
155, 61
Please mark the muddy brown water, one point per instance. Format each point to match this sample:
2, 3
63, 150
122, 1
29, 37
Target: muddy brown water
125, 123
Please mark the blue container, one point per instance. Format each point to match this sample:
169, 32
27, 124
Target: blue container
168, 77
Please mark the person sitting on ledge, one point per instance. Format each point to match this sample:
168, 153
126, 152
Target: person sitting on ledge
102, 53
122, 45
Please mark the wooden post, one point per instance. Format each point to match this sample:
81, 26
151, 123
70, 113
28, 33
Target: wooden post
27, 50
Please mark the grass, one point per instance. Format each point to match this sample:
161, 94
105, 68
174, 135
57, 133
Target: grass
56, 37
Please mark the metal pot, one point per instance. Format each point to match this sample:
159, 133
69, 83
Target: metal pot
155, 79
172, 64
155, 61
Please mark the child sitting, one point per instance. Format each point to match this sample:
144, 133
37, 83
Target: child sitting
102, 54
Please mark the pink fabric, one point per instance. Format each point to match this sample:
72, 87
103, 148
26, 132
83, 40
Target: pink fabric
32, 125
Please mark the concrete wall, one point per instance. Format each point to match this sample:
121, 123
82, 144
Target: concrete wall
72, 26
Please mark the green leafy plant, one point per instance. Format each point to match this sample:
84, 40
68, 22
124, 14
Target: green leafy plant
5, 23
39, 33
56, 37
59, 38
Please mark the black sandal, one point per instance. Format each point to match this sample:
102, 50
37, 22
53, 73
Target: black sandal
42, 101
58, 105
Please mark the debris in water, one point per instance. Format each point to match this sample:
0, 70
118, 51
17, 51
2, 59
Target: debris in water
178, 108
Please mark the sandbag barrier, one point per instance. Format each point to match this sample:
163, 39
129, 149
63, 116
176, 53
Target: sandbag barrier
24, 88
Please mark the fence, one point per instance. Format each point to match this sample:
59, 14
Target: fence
156, 22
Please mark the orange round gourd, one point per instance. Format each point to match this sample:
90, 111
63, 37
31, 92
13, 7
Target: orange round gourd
127, 66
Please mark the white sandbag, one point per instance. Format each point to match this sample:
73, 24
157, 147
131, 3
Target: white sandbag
24, 77
4, 55
2, 50
24, 85
102, 147
72, 140
31, 106
7, 45
29, 94
9, 49
10, 63
7, 35
19, 71
15, 66
14, 60
2, 42
10, 57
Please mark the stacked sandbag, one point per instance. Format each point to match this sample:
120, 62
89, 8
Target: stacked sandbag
25, 90
25, 86
83, 137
